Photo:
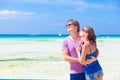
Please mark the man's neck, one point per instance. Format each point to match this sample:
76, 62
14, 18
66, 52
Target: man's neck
75, 36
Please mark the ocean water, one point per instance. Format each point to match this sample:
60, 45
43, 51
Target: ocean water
29, 36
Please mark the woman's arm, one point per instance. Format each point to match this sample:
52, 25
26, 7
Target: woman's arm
82, 59
93, 58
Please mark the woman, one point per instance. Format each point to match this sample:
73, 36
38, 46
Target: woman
93, 71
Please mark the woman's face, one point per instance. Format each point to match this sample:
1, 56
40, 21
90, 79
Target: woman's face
83, 34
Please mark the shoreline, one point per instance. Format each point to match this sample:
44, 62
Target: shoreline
50, 36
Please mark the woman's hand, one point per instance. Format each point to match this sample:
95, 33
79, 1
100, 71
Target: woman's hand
78, 48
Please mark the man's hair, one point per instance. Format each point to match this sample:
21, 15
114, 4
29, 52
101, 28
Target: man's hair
76, 23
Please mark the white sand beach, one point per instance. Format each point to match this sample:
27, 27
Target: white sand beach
42, 59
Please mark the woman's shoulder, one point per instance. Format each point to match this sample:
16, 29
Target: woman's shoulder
85, 46
89, 47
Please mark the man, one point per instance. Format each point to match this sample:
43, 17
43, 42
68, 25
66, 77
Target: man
69, 51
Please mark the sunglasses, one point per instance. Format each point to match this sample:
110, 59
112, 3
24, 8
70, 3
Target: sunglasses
83, 30
69, 25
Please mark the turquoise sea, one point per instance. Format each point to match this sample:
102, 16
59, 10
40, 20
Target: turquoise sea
17, 36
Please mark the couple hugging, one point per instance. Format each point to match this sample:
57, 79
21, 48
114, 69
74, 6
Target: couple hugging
80, 50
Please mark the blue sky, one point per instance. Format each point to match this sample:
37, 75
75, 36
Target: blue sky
50, 16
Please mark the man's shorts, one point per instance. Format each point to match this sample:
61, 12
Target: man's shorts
79, 76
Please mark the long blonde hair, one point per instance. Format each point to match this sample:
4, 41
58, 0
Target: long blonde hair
91, 35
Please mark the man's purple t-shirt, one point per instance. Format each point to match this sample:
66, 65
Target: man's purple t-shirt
69, 45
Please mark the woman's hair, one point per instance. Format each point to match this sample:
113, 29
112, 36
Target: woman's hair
76, 23
91, 35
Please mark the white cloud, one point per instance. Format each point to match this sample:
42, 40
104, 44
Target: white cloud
72, 5
14, 13
101, 6
82, 6
65, 2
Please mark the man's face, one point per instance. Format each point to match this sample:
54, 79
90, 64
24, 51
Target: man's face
71, 27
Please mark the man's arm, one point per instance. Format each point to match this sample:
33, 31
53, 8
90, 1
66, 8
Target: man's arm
69, 58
